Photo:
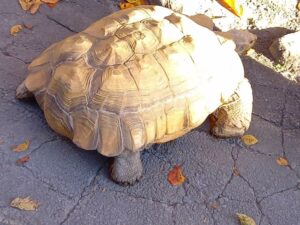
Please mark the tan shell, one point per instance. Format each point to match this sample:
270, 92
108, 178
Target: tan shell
137, 77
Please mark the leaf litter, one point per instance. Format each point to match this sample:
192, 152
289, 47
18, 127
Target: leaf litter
176, 176
26, 204
21, 147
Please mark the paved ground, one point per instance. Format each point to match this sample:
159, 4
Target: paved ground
73, 186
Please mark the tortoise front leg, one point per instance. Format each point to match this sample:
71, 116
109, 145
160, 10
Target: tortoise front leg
233, 117
127, 168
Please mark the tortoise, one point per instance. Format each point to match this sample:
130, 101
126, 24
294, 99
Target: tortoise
139, 76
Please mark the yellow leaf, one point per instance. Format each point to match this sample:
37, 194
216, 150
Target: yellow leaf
298, 6
24, 204
35, 7
26, 4
249, 139
21, 147
132, 1
245, 220
51, 3
126, 5
15, 29
175, 176
232, 6
282, 161
31, 5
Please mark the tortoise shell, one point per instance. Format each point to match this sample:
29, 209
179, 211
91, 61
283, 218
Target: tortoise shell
136, 77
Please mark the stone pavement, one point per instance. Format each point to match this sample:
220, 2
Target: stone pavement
73, 187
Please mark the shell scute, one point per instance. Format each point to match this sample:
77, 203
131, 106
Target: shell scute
84, 123
71, 48
110, 141
70, 84
110, 52
133, 131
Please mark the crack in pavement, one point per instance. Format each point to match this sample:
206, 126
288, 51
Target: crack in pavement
53, 139
282, 134
7, 54
48, 185
84, 193
266, 120
61, 24
221, 195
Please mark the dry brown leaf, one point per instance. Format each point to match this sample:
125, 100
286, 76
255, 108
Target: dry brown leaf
282, 161
21, 147
28, 26
175, 176
215, 204
31, 5
126, 5
51, 3
27, 204
35, 7
249, 139
22, 160
1, 141
232, 6
26, 4
132, 3
15, 29
245, 220
235, 171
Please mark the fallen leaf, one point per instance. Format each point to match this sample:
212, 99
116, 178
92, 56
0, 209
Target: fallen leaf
15, 29
136, 2
31, 5
1, 141
298, 6
24, 204
175, 176
232, 6
51, 3
215, 204
21, 147
35, 7
28, 26
249, 139
126, 5
245, 220
282, 161
26, 4
22, 160
235, 171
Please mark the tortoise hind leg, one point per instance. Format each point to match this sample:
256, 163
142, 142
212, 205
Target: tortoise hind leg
127, 168
23, 92
233, 118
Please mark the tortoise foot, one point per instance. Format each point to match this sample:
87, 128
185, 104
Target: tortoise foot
127, 168
23, 92
233, 118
